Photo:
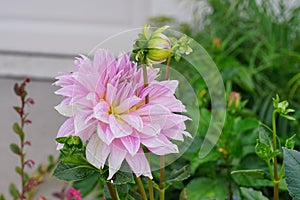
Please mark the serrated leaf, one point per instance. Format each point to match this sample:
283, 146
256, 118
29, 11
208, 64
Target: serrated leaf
179, 175
251, 194
206, 188
292, 171
71, 172
254, 173
247, 181
123, 178
13, 191
15, 148
87, 185
75, 159
132, 195
122, 191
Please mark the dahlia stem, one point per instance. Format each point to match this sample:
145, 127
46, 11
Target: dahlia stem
276, 180
150, 184
162, 178
141, 188
112, 191
145, 76
168, 68
162, 158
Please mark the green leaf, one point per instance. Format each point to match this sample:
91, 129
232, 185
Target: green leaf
75, 159
242, 125
123, 178
87, 185
15, 148
179, 175
122, 191
17, 129
196, 162
2, 197
72, 172
243, 179
132, 195
263, 150
251, 194
292, 172
18, 170
290, 142
14, 192
254, 173
206, 188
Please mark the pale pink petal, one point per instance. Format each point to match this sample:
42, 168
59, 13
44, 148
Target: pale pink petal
101, 111
127, 104
159, 145
80, 118
133, 120
111, 94
139, 164
116, 158
66, 129
118, 127
105, 133
97, 152
66, 110
131, 143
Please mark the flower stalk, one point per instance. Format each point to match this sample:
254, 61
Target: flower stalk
112, 191
141, 188
275, 168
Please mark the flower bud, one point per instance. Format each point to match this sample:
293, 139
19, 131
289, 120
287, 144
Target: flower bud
153, 48
234, 99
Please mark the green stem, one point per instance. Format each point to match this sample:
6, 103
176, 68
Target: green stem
276, 180
162, 158
145, 77
162, 178
150, 183
141, 188
168, 68
112, 191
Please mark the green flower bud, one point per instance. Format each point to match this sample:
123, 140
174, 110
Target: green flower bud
152, 48
262, 150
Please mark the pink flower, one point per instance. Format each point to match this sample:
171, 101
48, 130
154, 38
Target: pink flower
105, 103
73, 194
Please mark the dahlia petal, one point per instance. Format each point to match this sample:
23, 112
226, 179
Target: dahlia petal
80, 120
139, 164
133, 120
66, 110
131, 143
86, 133
101, 111
118, 127
97, 152
127, 103
159, 145
152, 110
151, 129
111, 93
66, 129
116, 158
105, 134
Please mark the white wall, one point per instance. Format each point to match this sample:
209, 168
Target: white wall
69, 27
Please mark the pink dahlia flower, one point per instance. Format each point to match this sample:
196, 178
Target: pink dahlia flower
105, 102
